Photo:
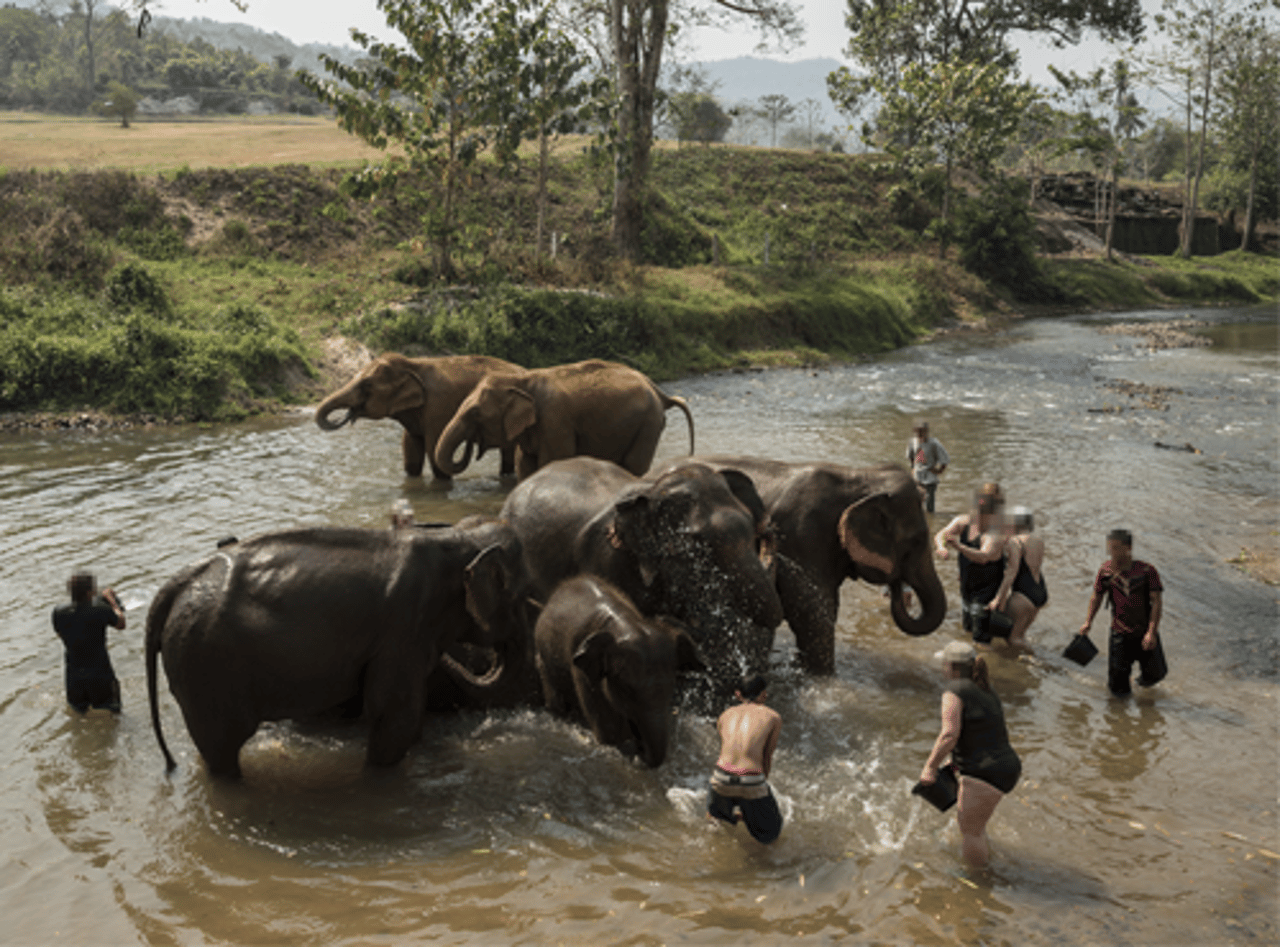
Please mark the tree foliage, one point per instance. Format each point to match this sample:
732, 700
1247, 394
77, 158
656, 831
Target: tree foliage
474, 75
120, 102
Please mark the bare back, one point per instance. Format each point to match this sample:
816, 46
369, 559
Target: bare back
748, 737
1032, 552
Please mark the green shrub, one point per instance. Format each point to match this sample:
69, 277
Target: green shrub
63, 352
132, 287
996, 236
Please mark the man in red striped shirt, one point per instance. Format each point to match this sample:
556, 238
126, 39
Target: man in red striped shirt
1135, 592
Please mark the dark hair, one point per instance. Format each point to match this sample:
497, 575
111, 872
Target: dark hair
1121, 536
80, 586
751, 688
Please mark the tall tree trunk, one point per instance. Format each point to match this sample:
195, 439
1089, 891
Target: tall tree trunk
637, 52
542, 189
1111, 207
1185, 230
1189, 239
88, 44
1246, 238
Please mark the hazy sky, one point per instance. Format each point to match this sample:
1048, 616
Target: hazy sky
305, 21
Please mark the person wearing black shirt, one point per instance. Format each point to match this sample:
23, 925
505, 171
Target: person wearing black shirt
82, 626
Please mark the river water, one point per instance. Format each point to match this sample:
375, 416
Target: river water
1151, 820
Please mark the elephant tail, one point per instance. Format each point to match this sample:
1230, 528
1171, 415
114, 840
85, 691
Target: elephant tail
668, 401
156, 618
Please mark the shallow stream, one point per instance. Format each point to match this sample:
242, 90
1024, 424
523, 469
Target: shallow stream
1150, 820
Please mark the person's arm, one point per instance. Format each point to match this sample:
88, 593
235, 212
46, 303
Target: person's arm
942, 458
1094, 604
1010, 573
989, 550
952, 708
948, 535
1153, 623
109, 596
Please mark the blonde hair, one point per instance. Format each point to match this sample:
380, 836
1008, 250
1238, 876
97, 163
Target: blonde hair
976, 671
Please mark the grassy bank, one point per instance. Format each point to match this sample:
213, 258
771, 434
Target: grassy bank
207, 293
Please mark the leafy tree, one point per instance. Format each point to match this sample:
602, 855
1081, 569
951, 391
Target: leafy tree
120, 102
1248, 90
888, 36
1198, 32
960, 114
638, 31
1107, 137
697, 116
461, 85
775, 109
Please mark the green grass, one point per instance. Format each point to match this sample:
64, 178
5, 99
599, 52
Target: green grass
107, 305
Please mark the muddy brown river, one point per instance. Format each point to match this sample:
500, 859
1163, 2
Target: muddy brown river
1151, 820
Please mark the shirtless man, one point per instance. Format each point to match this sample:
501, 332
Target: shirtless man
748, 737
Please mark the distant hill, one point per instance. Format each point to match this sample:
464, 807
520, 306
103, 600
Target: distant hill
257, 43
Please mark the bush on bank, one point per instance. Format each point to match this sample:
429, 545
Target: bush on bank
127, 351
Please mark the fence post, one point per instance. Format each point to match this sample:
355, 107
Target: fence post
555, 241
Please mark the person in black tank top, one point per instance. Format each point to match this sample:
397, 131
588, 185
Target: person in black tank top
978, 539
974, 736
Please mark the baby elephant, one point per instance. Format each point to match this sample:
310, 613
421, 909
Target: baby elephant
603, 662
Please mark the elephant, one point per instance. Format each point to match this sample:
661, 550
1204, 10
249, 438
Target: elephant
593, 408
692, 545
421, 393
831, 523
294, 624
603, 662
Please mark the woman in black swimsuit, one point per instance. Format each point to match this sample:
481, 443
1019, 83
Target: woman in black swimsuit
1022, 593
978, 539
974, 734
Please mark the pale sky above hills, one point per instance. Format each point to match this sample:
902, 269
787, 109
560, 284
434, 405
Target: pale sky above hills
306, 21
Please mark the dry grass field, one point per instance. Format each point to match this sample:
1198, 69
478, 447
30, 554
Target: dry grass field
30, 140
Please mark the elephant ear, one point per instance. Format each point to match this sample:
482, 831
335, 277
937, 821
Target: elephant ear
488, 582
744, 488
405, 389
866, 532
520, 415
592, 655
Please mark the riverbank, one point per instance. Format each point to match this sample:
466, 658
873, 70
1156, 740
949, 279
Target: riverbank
217, 294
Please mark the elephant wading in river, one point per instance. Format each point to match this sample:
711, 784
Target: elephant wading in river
604, 663
832, 523
597, 409
421, 393
296, 623
692, 544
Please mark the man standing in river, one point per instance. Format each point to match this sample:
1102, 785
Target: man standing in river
82, 626
1136, 597
928, 458
740, 781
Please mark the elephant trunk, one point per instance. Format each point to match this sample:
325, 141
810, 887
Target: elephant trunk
652, 735
453, 436
923, 580
331, 404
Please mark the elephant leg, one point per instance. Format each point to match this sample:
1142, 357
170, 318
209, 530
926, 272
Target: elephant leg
394, 704
639, 455
220, 738
811, 613
508, 467
414, 450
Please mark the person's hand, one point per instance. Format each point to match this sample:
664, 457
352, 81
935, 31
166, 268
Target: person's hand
1149, 641
1084, 629
110, 595
942, 552
928, 775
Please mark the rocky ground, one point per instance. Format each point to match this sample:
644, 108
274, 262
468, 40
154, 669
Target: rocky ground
1171, 334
